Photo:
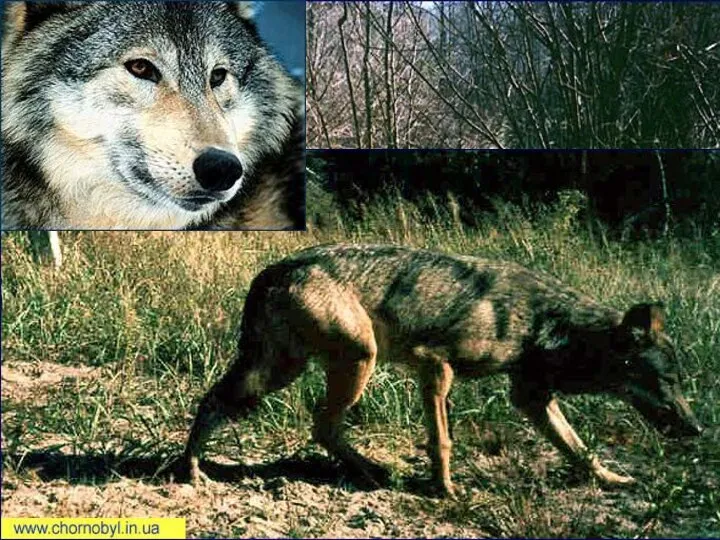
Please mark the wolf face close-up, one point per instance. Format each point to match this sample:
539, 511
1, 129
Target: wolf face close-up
152, 115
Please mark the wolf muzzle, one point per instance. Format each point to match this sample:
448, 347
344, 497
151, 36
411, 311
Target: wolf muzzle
672, 417
217, 170
688, 425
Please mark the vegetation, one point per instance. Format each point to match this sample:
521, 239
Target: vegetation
635, 194
512, 75
154, 314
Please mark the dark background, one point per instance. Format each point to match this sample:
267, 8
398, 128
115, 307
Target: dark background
624, 189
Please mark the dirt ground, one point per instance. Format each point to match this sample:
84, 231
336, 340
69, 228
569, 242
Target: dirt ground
287, 487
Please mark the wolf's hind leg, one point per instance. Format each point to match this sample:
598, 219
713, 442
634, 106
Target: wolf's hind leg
347, 377
545, 414
236, 395
209, 416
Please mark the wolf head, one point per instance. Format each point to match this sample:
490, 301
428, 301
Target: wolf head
647, 373
147, 114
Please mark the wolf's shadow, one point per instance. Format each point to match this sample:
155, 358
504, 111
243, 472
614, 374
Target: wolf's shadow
95, 469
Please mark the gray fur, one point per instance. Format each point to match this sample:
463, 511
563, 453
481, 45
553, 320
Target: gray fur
63, 62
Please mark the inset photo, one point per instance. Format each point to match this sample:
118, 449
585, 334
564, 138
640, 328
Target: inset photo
153, 115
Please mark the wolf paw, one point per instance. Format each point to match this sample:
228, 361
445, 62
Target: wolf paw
444, 491
378, 475
199, 478
610, 479
187, 470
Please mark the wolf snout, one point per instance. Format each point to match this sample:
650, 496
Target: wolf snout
217, 170
681, 422
686, 429
682, 432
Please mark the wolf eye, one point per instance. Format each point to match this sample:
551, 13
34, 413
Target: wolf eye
217, 77
143, 69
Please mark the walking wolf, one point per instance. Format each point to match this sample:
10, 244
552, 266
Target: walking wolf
444, 315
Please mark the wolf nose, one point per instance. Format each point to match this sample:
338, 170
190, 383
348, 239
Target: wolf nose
687, 429
217, 170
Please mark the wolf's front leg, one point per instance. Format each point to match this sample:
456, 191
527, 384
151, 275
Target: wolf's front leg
436, 377
544, 412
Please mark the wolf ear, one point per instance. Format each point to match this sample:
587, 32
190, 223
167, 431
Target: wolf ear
648, 318
246, 10
21, 17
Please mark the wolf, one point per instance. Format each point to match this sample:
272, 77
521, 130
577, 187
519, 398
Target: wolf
147, 115
444, 315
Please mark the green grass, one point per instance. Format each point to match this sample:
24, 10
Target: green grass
157, 312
